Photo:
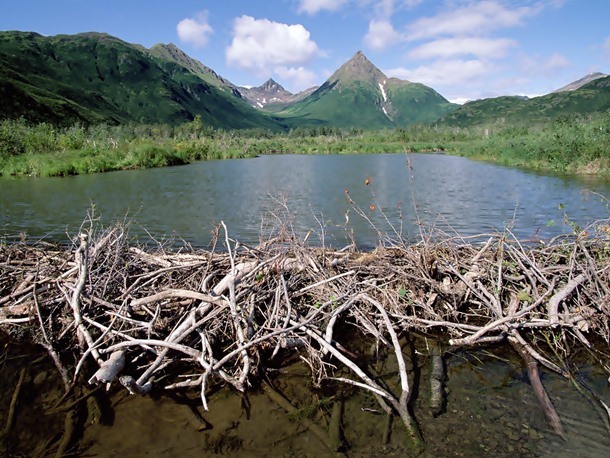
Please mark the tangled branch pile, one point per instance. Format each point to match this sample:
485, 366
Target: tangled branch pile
107, 311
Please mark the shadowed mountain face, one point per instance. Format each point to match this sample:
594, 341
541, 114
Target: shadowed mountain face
95, 77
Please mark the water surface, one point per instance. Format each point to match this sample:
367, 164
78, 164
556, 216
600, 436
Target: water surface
451, 193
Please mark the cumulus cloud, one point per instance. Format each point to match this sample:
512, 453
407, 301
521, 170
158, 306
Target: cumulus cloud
260, 44
195, 31
315, 6
490, 48
300, 78
472, 19
381, 34
453, 72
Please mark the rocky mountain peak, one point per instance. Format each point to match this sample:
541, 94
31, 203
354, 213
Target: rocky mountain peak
271, 95
581, 82
271, 86
358, 68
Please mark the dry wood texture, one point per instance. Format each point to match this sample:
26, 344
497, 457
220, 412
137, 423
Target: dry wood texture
109, 312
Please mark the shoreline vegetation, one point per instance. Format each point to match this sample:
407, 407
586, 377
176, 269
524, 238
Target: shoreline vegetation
577, 145
112, 313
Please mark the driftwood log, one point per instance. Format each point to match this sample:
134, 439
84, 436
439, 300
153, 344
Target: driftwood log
193, 318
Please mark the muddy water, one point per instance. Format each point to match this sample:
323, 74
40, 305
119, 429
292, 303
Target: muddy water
490, 411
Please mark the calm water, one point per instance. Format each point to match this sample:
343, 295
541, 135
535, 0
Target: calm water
454, 194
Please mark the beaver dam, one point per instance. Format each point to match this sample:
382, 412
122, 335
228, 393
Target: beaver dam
120, 320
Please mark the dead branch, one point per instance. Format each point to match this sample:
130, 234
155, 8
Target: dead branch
201, 319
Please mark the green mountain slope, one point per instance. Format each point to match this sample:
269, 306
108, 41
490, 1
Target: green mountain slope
93, 77
359, 95
591, 98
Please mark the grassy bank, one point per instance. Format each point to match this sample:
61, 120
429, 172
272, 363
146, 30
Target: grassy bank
578, 145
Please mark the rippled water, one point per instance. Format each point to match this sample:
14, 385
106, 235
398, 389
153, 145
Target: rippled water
454, 194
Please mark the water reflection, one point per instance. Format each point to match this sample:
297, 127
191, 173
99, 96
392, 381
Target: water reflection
452, 193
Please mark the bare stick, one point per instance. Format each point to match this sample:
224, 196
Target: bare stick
561, 295
474, 338
327, 280
176, 293
83, 269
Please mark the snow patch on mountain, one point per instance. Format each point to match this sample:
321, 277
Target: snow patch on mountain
385, 97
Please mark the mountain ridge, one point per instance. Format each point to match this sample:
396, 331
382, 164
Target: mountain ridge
588, 99
574, 85
93, 77
359, 95
271, 96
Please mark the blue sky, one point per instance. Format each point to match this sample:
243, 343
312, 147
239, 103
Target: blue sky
465, 49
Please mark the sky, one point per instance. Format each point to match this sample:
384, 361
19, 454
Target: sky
464, 49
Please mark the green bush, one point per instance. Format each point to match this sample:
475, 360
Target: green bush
11, 143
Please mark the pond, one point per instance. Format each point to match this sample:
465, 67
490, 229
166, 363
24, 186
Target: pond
336, 197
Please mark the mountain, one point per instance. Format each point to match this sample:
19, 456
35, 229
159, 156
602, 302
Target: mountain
359, 95
581, 82
271, 96
172, 53
590, 98
94, 77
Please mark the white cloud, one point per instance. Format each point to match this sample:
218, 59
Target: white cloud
490, 48
473, 19
381, 34
453, 72
315, 6
300, 77
195, 31
261, 45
